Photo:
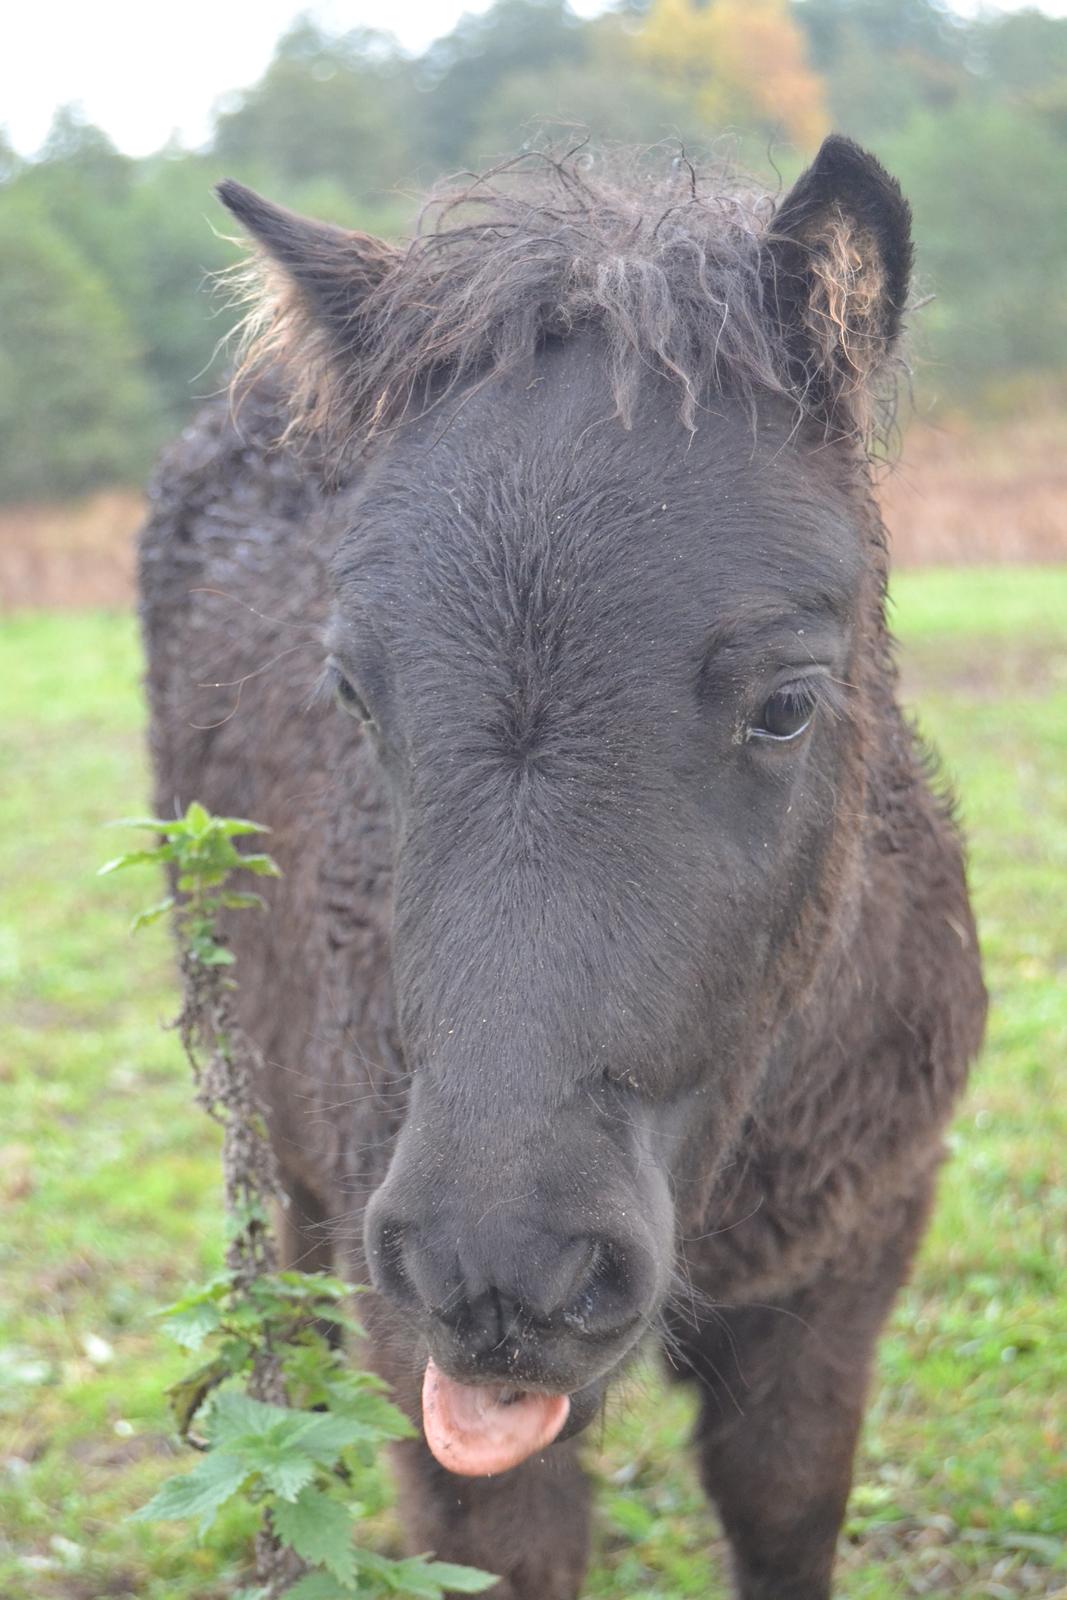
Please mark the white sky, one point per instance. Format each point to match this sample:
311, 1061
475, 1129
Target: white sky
143, 70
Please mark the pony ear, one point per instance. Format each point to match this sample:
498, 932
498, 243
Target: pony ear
331, 269
839, 263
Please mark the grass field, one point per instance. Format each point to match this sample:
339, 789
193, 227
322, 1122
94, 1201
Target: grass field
109, 1191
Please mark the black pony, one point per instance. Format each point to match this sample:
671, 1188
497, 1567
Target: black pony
622, 976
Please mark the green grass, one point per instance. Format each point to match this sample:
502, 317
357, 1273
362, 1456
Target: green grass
1000, 603
109, 1186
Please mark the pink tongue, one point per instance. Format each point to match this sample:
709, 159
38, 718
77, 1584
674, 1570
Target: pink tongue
477, 1430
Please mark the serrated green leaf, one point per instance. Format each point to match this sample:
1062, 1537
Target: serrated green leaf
233, 827
157, 824
133, 858
331, 1312
321, 1375
215, 1288
215, 851
237, 1353
197, 818
199, 875
279, 1442
314, 1284
234, 1416
242, 902
375, 1569
237, 1419
460, 1580
421, 1579
323, 1437
283, 1471
191, 1326
151, 914
215, 1478
374, 1413
262, 866
217, 956
319, 1529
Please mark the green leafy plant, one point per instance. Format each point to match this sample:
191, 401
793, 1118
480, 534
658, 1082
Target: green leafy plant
280, 1416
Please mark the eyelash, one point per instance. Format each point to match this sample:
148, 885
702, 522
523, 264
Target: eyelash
809, 695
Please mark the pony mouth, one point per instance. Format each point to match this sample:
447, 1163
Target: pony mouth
477, 1430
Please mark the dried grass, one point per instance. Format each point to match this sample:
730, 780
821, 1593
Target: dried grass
964, 495
70, 554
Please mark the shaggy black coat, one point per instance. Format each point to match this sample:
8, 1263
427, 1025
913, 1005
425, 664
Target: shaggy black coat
623, 952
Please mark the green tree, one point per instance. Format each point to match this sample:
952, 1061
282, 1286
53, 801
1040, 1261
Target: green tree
173, 241
149, 229
10, 161
986, 186
81, 182
460, 74
75, 410
884, 60
602, 88
154, 235
332, 107
1024, 57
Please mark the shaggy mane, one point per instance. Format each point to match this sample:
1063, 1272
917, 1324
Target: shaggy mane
672, 269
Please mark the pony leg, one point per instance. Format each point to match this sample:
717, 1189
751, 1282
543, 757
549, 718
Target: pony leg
781, 1417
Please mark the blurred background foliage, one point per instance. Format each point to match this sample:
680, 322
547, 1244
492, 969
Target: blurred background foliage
108, 333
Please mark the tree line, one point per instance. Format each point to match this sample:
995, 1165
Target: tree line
108, 331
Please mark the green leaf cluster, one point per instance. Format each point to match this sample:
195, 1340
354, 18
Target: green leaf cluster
307, 1465
201, 855
73, 397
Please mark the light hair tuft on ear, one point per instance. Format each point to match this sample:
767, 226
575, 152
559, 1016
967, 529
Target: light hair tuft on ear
842, 311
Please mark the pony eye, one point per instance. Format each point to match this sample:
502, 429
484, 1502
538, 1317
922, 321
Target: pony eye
348, 698
786, 714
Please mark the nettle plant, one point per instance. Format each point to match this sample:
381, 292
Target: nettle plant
282, 1418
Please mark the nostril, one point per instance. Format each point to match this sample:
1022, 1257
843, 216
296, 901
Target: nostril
607, 1298
389, 1273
